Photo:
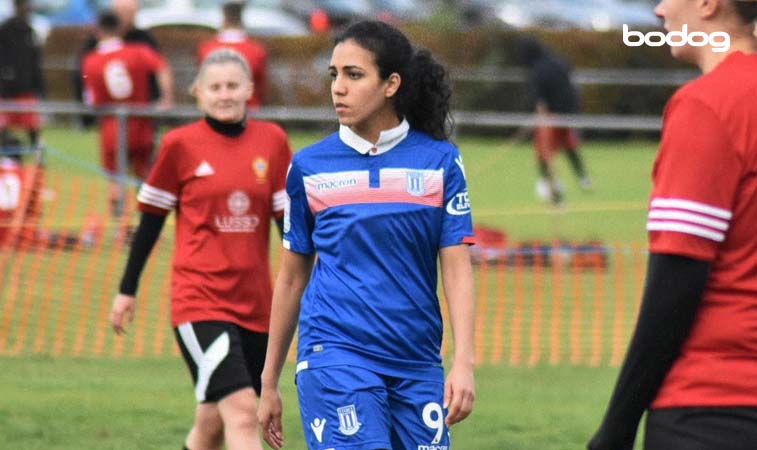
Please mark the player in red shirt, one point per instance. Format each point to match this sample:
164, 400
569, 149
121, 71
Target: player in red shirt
224, 176
119, 73
692, 362
233, 36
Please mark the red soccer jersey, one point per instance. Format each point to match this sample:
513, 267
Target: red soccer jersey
118, 72
704, 206
225, 191
253, 51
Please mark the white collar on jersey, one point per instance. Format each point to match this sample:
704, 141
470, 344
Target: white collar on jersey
110, 45
387, 140
231, 35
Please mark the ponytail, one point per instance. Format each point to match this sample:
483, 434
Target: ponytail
747, 10
426, 104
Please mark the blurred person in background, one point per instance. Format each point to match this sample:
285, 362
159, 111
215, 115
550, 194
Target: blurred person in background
692, 360
224, 176
21, 78
126, 10
380, 203
118, 72
551, 91
233, 35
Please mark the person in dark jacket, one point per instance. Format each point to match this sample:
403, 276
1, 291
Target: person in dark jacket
551, 91
21, 77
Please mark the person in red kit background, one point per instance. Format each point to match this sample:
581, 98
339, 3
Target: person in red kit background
224, 176
232, 35
116, 72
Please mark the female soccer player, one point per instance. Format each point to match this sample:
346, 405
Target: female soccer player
224, 176
378, 202
692, 362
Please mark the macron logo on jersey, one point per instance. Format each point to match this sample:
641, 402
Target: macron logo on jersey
204, 170
459, 205
459, 162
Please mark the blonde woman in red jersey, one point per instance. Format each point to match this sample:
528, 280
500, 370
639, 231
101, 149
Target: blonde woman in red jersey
692, 362
224, 175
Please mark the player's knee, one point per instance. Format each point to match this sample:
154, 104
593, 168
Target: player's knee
246, 420
209, 424
238, 409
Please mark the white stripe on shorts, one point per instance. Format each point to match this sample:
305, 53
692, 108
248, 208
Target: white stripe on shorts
208, 361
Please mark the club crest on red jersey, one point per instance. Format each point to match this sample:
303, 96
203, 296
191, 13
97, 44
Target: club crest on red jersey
260, 167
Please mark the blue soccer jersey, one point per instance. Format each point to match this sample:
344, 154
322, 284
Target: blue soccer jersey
376, 216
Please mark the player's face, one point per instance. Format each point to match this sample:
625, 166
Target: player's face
676, 14
222, 92
363, 101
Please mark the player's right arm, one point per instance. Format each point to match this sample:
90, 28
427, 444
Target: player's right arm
294, 275
122, 311
157, 197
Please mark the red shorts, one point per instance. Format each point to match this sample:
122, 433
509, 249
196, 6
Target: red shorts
25, 120
140, 145
550, 140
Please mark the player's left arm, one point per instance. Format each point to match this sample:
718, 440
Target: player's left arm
457, 281
165, 81
164, 75
279, 168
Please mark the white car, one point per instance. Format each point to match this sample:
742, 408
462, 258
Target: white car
260, 19
599, 15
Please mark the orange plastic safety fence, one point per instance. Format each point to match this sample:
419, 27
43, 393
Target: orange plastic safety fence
536, 303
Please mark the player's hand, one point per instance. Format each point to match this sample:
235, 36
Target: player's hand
121, 312
269, 416
459, 393
164, 104
605, 439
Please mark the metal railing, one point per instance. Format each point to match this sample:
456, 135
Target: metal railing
283, 114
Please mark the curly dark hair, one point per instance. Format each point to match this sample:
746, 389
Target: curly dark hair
425, 90
747, 10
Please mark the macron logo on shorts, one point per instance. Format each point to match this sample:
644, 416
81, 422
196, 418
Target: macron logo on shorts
317, 427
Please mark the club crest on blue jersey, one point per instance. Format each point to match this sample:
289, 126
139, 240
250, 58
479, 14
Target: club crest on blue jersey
348, 423
415, 184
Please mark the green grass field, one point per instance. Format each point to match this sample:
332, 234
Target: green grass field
126, 402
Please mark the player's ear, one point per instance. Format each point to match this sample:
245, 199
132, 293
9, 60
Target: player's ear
707, 8
392, 85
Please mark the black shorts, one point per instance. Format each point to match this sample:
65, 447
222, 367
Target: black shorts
712, 428
222, 357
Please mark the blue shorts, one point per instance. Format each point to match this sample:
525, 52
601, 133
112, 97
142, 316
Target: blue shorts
352, 408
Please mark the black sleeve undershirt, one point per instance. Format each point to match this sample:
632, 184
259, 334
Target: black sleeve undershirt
672, 295
145, 237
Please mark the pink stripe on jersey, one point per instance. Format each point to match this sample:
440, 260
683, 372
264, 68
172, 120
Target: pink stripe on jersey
689, 217
422, 187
